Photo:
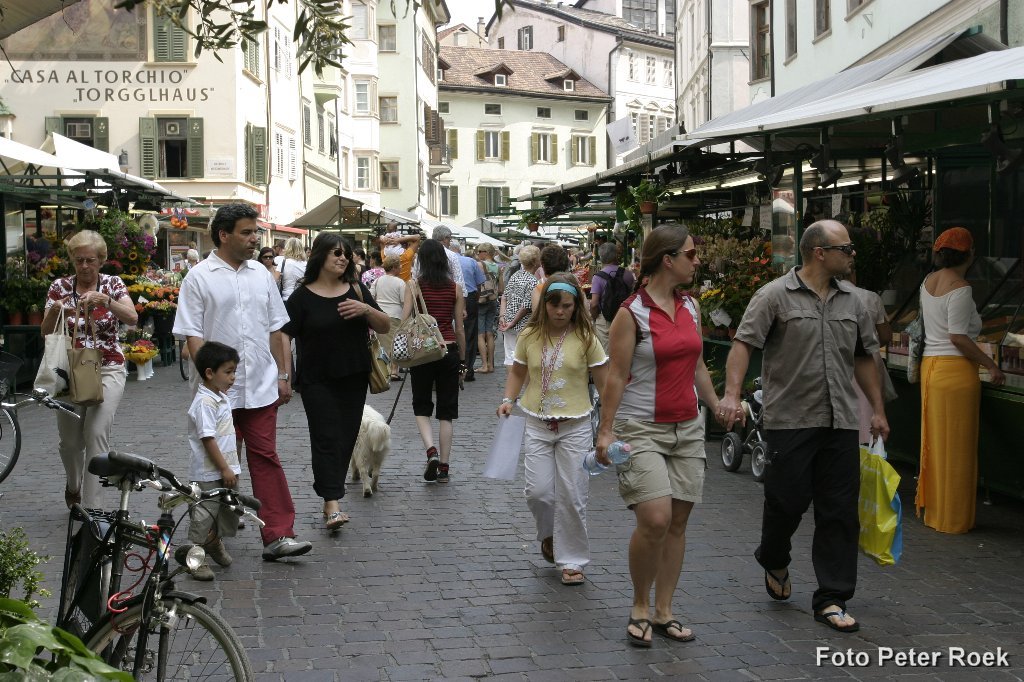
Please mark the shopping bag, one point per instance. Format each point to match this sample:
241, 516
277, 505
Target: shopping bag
85, 383
418, 339
380, 375
880, 510
503, 458
52, 376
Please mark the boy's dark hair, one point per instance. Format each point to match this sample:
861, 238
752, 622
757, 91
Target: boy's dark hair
213, 356
227, 217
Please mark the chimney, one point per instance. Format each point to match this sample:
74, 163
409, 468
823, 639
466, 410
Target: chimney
481, 26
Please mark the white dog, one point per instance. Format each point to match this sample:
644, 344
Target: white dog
371, 449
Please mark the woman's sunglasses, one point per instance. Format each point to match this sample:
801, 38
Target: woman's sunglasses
338, 253
689, 253
269, 256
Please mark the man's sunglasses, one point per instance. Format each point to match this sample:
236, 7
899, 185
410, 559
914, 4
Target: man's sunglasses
845, 248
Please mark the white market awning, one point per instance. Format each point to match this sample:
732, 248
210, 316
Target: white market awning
984, 74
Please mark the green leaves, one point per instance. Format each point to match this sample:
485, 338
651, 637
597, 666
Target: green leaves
33, 650
320, 31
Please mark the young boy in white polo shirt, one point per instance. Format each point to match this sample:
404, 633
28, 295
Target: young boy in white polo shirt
211, 437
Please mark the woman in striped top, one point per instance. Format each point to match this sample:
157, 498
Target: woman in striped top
445, 303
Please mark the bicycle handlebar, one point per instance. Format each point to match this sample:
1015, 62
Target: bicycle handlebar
43, 398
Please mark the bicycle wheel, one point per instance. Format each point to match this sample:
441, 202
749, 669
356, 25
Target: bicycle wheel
196, 645
10, 442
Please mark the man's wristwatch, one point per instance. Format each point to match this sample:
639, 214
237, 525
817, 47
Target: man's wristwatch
283, 376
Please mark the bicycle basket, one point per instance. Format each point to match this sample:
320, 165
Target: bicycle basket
9, 366
87, 567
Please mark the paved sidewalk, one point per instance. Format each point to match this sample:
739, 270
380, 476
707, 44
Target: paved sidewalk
446, 582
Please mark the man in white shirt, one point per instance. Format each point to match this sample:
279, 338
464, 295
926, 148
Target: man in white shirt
230, 298
444, 235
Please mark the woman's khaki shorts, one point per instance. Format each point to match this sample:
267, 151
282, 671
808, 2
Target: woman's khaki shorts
667, 460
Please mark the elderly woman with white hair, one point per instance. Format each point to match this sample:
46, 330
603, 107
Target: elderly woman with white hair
516, 302
106, 303
293, 266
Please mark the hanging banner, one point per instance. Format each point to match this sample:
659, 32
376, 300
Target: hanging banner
620, 135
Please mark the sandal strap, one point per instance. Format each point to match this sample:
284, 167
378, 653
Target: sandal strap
833, 614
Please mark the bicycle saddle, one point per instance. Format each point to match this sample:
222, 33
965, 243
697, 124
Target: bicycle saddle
120, 463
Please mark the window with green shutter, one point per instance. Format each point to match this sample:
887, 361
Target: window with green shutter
92, 131
453, 200
196, 166
453, 143
251, 55
170, 42
505, 145
171, 147
255, 154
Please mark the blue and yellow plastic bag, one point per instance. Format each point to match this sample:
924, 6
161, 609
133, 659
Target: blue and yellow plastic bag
879, 509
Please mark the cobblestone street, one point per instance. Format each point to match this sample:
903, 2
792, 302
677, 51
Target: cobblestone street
446, 582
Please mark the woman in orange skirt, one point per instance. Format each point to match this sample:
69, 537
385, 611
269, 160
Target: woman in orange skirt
950, 388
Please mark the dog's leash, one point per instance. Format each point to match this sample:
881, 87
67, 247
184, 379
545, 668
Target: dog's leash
405, 375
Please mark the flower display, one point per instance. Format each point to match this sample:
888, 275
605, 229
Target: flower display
734, 269
129, 248
139, 351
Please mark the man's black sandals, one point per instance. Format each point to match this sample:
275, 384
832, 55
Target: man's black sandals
787, 587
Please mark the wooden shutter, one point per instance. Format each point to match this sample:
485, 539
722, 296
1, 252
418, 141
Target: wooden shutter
574, 150
293, 159
196, 165
505, 144
481, 145
554, 148
249, 153
534, 147
593, 150
453, 144
254, 56
481, 201
259, 155
51, 124
504, 196
101, 133
170, 43
453, 200
147, 147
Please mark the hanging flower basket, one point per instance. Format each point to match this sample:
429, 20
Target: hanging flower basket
533, 227
648, 207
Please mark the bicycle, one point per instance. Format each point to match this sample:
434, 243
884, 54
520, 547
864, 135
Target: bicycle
10, 431
159, 633
191, 640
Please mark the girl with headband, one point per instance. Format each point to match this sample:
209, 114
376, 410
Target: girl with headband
557, 350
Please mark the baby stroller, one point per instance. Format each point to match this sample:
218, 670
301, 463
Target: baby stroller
734, 445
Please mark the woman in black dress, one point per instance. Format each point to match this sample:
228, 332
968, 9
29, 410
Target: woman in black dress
331, 314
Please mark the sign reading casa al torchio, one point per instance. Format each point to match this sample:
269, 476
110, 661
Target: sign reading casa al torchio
143, 84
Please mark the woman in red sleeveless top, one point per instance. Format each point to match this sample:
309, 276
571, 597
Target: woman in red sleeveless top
445, 303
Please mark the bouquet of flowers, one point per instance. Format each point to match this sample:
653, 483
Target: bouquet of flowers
139, 351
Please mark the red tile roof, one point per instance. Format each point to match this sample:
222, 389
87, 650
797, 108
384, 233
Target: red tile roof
471, 68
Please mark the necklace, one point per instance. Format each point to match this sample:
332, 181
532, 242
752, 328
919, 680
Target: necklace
548, 362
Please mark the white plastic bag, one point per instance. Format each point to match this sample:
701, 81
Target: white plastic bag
503, 459
52, 376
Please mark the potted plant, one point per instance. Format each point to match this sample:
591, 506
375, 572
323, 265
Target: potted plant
13, 300
531, 219
646, 195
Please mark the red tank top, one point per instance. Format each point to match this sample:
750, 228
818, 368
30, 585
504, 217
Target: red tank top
440, 302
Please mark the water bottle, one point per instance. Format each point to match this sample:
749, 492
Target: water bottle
618, 453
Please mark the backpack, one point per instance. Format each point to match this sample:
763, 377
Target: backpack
489, 289
615, 292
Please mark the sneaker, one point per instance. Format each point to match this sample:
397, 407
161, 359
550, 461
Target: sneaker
217, 552
285, 547
430, 474
203, 573
442, 473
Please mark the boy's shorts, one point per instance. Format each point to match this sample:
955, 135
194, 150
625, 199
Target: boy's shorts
211, 514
